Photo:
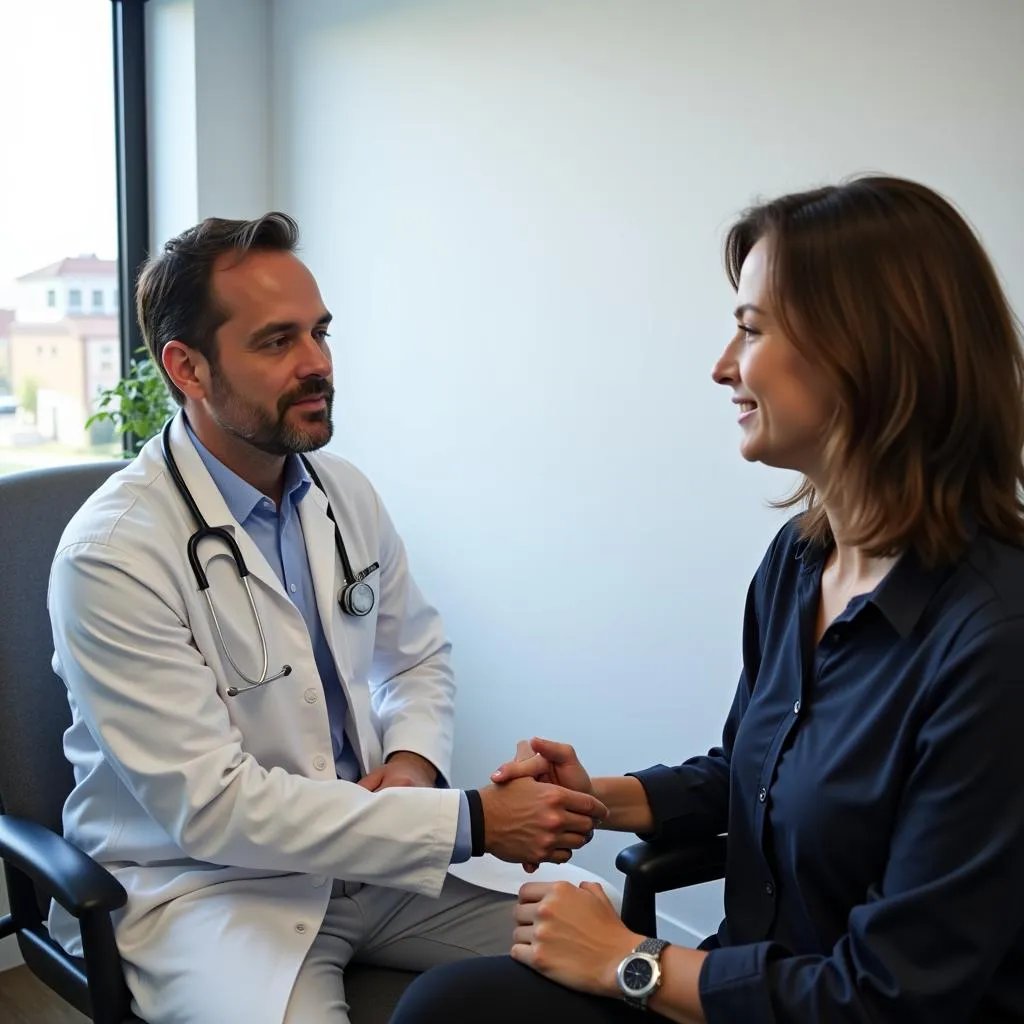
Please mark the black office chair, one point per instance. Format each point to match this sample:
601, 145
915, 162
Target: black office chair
35, 778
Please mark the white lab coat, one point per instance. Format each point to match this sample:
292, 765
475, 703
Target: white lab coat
221, 815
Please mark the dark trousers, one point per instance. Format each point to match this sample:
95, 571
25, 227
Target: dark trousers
497, 990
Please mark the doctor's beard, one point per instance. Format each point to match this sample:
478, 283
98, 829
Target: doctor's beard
272, 433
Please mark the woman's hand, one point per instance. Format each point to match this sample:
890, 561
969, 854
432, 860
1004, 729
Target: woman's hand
546, 761
571, 935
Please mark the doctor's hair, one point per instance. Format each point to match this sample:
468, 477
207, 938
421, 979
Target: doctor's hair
882, 284
174, 297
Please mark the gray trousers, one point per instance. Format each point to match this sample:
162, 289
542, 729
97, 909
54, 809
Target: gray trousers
391, 928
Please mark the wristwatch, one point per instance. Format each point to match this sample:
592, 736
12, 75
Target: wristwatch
639, 973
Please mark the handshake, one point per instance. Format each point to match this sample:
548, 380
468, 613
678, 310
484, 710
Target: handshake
539, 806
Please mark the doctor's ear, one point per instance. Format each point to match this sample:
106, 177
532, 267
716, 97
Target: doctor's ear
188, 369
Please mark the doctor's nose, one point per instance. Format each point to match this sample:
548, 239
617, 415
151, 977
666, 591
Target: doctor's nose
315, 358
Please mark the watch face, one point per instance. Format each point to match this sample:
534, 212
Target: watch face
637, 974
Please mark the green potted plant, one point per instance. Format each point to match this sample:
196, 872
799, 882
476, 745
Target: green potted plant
137, 406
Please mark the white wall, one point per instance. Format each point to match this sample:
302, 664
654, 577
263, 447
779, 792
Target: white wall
209, 81
515, 210
171, 117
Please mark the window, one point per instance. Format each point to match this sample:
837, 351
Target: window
61, 221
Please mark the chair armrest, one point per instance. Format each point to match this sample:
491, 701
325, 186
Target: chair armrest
58, 869
658, 866
661, 866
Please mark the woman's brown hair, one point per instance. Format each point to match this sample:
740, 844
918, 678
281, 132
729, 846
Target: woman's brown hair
884, 286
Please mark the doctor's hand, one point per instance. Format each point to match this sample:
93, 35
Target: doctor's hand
546, 761
527, 822
403, 768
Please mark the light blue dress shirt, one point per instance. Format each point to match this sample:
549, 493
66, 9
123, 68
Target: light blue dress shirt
278, 535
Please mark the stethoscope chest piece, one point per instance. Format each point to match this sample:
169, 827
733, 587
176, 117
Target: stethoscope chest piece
357, 598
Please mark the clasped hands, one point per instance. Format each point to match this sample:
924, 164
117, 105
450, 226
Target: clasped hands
538, 807
554, 797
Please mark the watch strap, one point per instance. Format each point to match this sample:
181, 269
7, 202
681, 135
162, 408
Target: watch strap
651, 946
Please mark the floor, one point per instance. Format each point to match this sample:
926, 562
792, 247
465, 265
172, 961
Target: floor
24, 1000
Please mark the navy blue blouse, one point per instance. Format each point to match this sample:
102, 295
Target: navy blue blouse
872, 786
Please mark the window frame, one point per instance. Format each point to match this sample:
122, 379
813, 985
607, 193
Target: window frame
130, 134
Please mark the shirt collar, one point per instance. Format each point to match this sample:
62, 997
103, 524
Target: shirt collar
906, 590
902, 595
241, 497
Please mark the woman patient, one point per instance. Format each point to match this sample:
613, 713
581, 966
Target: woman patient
871, 772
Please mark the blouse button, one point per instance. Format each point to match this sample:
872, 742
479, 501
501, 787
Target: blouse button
762, 794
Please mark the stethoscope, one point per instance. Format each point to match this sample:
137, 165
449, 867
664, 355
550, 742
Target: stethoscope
356, 596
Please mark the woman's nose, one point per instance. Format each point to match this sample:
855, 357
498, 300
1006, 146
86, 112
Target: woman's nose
725, 371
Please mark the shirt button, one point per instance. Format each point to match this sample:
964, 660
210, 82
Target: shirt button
319, 762
762, 794
796, 708
311, 696
318, 881
300, 928
292, 587
769, 889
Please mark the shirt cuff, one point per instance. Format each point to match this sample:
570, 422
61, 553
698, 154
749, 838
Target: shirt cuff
463, 835
661, 785
733, 984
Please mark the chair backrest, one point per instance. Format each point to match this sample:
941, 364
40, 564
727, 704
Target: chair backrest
35, 506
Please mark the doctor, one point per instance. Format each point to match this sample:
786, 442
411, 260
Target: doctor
262, 721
